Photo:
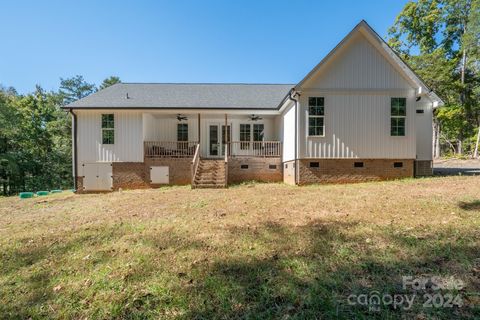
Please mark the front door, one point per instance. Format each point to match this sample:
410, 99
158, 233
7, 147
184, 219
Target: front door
218, 138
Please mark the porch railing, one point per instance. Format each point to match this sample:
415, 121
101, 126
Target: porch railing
169, 149
255, 149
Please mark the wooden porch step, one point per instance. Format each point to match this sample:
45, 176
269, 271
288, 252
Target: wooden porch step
210, 174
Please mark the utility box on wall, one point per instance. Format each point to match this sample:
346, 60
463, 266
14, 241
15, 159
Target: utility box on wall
97, 176
159, 175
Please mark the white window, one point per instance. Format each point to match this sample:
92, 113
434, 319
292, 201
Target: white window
398, 113
316, 116
182, 131
244, 136
108, 129
258, 135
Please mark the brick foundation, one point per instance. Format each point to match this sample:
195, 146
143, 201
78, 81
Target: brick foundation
130, 175
344, 171
79, 184
180, 169
259, 169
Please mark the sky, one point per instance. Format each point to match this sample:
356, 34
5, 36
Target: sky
176, 41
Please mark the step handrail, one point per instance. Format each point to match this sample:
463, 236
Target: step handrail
195, 162
226, 164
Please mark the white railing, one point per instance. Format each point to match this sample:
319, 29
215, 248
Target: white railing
169, 149
226, 165
195, 162
256, 149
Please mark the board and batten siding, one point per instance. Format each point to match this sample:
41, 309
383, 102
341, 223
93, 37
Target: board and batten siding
288, 133
358, 65
358, 126
128, 146
357, 84
163, 127
424, 128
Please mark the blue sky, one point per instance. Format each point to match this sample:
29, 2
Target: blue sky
176, 41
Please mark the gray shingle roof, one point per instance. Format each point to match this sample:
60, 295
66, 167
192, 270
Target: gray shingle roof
195, 96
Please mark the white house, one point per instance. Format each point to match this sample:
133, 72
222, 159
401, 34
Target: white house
360, 114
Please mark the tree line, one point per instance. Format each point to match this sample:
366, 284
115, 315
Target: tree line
35, 136
440, 40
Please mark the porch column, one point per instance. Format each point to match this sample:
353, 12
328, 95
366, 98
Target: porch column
226, 135
199, 128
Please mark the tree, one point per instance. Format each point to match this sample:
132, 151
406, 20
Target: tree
35, 143
75, 88
440, 40
110, 81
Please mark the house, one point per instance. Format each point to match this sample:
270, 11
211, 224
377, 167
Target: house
361, 114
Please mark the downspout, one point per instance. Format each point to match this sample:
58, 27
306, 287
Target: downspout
74, 147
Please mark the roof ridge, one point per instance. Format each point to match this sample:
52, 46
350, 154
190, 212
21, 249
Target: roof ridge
214, 83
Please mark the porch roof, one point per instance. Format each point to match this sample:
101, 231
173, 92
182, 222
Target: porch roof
186, 96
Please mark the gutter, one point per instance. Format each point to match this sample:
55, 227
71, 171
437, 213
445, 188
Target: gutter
74, 147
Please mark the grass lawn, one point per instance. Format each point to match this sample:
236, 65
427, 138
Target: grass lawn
250, 251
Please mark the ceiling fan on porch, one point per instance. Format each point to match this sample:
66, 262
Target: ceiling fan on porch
181, 117
255, 117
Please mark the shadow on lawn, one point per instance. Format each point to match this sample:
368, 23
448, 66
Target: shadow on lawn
314, 281
470, 206
30, 267
290, 271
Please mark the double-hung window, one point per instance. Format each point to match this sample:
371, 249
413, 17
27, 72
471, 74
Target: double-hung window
398, 113
182, 135
258, 134
316, 116
182, 132
108, 129
244, 136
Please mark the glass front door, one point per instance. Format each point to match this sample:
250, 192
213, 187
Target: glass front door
213, 145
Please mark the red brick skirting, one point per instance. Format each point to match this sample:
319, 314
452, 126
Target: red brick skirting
254, 169
344, 170
180, 169
130, 175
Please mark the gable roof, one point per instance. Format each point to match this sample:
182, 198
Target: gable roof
185, 96
234, 96
391, 56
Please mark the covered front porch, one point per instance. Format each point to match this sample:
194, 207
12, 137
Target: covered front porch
212, 136
220, 148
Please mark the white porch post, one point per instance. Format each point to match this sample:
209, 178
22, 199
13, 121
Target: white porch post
199, 128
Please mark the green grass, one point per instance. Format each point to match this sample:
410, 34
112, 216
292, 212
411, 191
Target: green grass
251, 251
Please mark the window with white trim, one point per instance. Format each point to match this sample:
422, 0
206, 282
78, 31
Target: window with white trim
398, 113
244, 136
316, 116
108, 128
258, 135
182, 132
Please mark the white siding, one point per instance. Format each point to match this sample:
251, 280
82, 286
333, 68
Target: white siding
358, 126
424, 129
358, 65
128, 145
289, 133
163, 127
357, 84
